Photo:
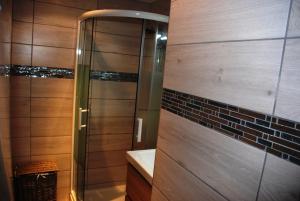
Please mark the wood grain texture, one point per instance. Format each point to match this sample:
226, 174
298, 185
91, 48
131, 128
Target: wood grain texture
21, 107
110, 125
115, 62
53, 57
63, 161
4, 108
54, 36
280, 181
106, 159
226, 20
63, 179
51, 107
22, 32
82, 4
19, 86
51, 145
104, 175
5, 49
288, 103
21, 54
20, 146
156, 195
23, 10
116, 142
6, 21
178, 184
52, 88
294, 23
137, 188
56, 15
19, 127
112, 108
116, 44
126, 27
230, 166
63, 194
249, 80
50, 127
113, 90
5, 86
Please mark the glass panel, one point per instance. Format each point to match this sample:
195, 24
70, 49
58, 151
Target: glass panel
83, 66
150, 83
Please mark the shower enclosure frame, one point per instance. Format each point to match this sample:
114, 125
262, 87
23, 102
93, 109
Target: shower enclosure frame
93, 14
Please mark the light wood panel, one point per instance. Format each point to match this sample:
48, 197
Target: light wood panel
288, 104
23, 10
51, 107
98, 143
56, 15
106, 159
116, 44
115, 62
22, 32
19, 86
51, 145
82, 4
280, 181
113, 90
20, 127
127, 27
103, 175
294, 24
226, 20
178, 184
63, 194
54, 36
63, 179
21, 54
63, 161
156, 195
230, 166
52, 87
111, 125
5, 53
49, 127
53, 57
20, 107
244, 74
112, 108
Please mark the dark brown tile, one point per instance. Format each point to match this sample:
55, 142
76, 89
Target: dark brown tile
249, 130
285, 143
252, 114
222, 121
286, 123
23, 10
246, 140
21, 54
241, 116
19, 86
286, 129
274, 152
286, 150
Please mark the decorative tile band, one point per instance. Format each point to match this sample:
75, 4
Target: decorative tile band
67, 73
4, 70
275, 135
114, 76
42, 71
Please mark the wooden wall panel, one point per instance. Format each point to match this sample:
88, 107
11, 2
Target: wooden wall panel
82, 4
195, 21
51, 107
104, 175
22, 32
117, 44
106, 159
249, 80
115, 62
113, 89
229, 166
21, 54
288, 104
5, 49
294, 24
280, 181
115, 142
111, 125
47, 127
23, 10
51, 145
157, 195
112, 108
178, 184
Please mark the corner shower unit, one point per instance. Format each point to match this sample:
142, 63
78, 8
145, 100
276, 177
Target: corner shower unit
119, 72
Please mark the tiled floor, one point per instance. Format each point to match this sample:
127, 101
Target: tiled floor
115, 193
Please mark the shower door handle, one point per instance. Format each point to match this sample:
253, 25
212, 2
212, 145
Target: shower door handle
139, 129
80, 126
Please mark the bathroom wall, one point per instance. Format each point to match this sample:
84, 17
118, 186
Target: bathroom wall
6, 192
229, 127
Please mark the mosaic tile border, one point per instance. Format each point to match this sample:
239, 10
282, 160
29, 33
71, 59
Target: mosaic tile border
275, 135
66, 73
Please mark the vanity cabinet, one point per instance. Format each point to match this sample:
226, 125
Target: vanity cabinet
137, 187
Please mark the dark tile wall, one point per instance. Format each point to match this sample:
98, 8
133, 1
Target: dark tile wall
275, 135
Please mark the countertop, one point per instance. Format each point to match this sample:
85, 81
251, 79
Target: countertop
143, 161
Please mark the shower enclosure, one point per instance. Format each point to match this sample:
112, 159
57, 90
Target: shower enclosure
119, 71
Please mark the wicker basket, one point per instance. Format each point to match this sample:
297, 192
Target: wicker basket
36, 182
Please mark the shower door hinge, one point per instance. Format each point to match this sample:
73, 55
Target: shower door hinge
80, 125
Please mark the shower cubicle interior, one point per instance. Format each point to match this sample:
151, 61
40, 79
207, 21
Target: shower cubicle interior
119, 75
